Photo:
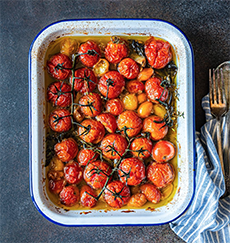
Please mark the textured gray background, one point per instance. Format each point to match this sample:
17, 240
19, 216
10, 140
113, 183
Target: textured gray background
206, 24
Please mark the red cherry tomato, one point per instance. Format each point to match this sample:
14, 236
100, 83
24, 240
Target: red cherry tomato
114, 107
86, 155
55, 186
156, 127
111, 84
73, 173
131, 171
135, 86
108, 121
117, 194
151, 192
96, 174
128, 68
59, 66
60, 120
89, 53
158, 52
69, 195
141, 147
59, 94
160, 174
85, 197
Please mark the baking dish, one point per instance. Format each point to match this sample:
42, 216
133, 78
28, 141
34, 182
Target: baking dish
185, 131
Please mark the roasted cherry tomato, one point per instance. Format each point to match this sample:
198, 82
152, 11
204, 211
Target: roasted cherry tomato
108, 121
55, 186
66, 150
91, 131
158, 52
59, 66
73, 173
87, 197
68, 46
113, 146
130, 123
114, 107
111, 84
130, 102
56, 164
135, 86
90, 104
151, 192
145, 109
84, 80
163, 151
86, 155
69, 195
137, 200
155, 91
131, 171
160, 174
59, 94
96, 174
89, 53
128, 68
60, 120
156, 127
141, 147
116, 50
117, 194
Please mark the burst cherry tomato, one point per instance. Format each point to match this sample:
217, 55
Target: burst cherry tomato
96, 174
131, 171
60, 120
163, 151
158, 52
91, 104
108, 121
59, 94
117, 194
55, 186
128, 68
84, 80
116, 50
114, 107
91, 131
160, 174
86, 155
87, 200
131, 122
89, 53
66, 150
113, 146
135, 86
59, 66
69, 195
141, 147
156, 127
151, 192
73, 173
154, 90
111, 84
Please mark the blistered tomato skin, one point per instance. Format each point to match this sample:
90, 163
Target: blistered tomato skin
73, 173
84, 80
141, 147
86, 199
137, 200
66, 150
111, 84
108, 121
163, 151
160, 174
151, 192
60, 120
69, 195
158, 52
135, 86
91, 104
89, 53
85, 156
91, 131
59, 94
131, 171
113, 146
55, 186
154, 90
128, 68
59, 66
156, 127
114, 107
131, 121
96, 174
117, 194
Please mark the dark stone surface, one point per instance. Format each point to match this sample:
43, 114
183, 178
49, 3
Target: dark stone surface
206, 24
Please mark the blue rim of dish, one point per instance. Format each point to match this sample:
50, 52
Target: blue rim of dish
30, 123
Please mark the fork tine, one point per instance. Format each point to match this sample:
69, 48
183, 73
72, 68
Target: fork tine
214, 87
210, 87
223, 86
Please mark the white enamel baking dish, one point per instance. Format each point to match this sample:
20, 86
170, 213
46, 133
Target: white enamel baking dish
186, 127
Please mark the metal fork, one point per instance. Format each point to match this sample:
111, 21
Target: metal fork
218, 105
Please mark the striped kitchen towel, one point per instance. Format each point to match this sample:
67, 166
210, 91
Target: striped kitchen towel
208, 217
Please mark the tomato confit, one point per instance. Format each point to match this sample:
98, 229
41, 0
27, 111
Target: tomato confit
111, 122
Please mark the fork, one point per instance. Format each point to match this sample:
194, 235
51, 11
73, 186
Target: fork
218, 105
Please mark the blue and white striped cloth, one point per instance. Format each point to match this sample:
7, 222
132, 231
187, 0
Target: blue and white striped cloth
208, 217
